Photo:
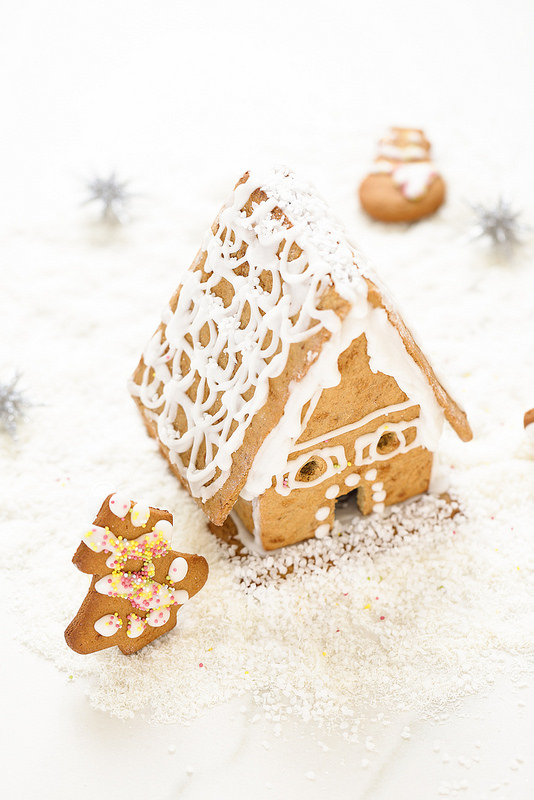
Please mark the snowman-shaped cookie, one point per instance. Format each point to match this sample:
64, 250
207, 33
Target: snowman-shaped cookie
403, 184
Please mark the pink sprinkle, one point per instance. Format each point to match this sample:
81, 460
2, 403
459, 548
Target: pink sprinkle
201, 664
382, 617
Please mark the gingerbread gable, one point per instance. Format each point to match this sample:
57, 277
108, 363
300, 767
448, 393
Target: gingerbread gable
252, 338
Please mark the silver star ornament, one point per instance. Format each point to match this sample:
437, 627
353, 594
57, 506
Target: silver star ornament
499, 224
13, 406
112, 196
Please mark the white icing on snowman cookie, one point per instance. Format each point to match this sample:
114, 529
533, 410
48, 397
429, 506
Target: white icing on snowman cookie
408, 163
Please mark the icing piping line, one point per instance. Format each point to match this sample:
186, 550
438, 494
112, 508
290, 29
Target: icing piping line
354, 426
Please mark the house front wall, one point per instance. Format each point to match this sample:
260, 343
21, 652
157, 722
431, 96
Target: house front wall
363, 434
384, 464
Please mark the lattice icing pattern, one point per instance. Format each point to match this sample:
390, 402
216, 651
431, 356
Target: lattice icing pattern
255, 291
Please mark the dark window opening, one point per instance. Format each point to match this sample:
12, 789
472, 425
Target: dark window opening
347, 506
311, 470
387, 443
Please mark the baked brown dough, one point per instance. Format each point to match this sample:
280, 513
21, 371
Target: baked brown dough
138, 583
403, 185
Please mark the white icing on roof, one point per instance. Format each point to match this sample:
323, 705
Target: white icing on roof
230, 352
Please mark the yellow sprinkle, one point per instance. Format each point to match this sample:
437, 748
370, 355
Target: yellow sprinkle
367, 606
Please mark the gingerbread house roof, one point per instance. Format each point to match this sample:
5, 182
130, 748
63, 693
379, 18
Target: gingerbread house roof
253, 334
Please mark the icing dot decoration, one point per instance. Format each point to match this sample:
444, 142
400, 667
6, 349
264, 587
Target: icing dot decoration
140, 514
108, 625
136, 626
181, 597
164, 527
332, 491
157, 618
353, 479
119, 505
178, 569
322, 513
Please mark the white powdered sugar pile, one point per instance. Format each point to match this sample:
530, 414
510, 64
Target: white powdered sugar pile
411, 611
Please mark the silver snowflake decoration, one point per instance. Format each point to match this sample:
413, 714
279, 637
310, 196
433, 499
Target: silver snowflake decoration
499, 224
13, 405
112, 196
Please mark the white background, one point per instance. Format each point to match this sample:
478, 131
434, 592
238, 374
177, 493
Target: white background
181, 98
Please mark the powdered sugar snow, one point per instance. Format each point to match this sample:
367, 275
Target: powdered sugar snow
412, 609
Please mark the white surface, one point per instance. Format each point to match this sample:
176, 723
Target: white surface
181, 99
56, 742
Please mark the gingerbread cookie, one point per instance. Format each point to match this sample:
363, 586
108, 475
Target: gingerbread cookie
138, 584
403, 184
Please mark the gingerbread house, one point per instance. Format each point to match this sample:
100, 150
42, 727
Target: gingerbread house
281, 377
